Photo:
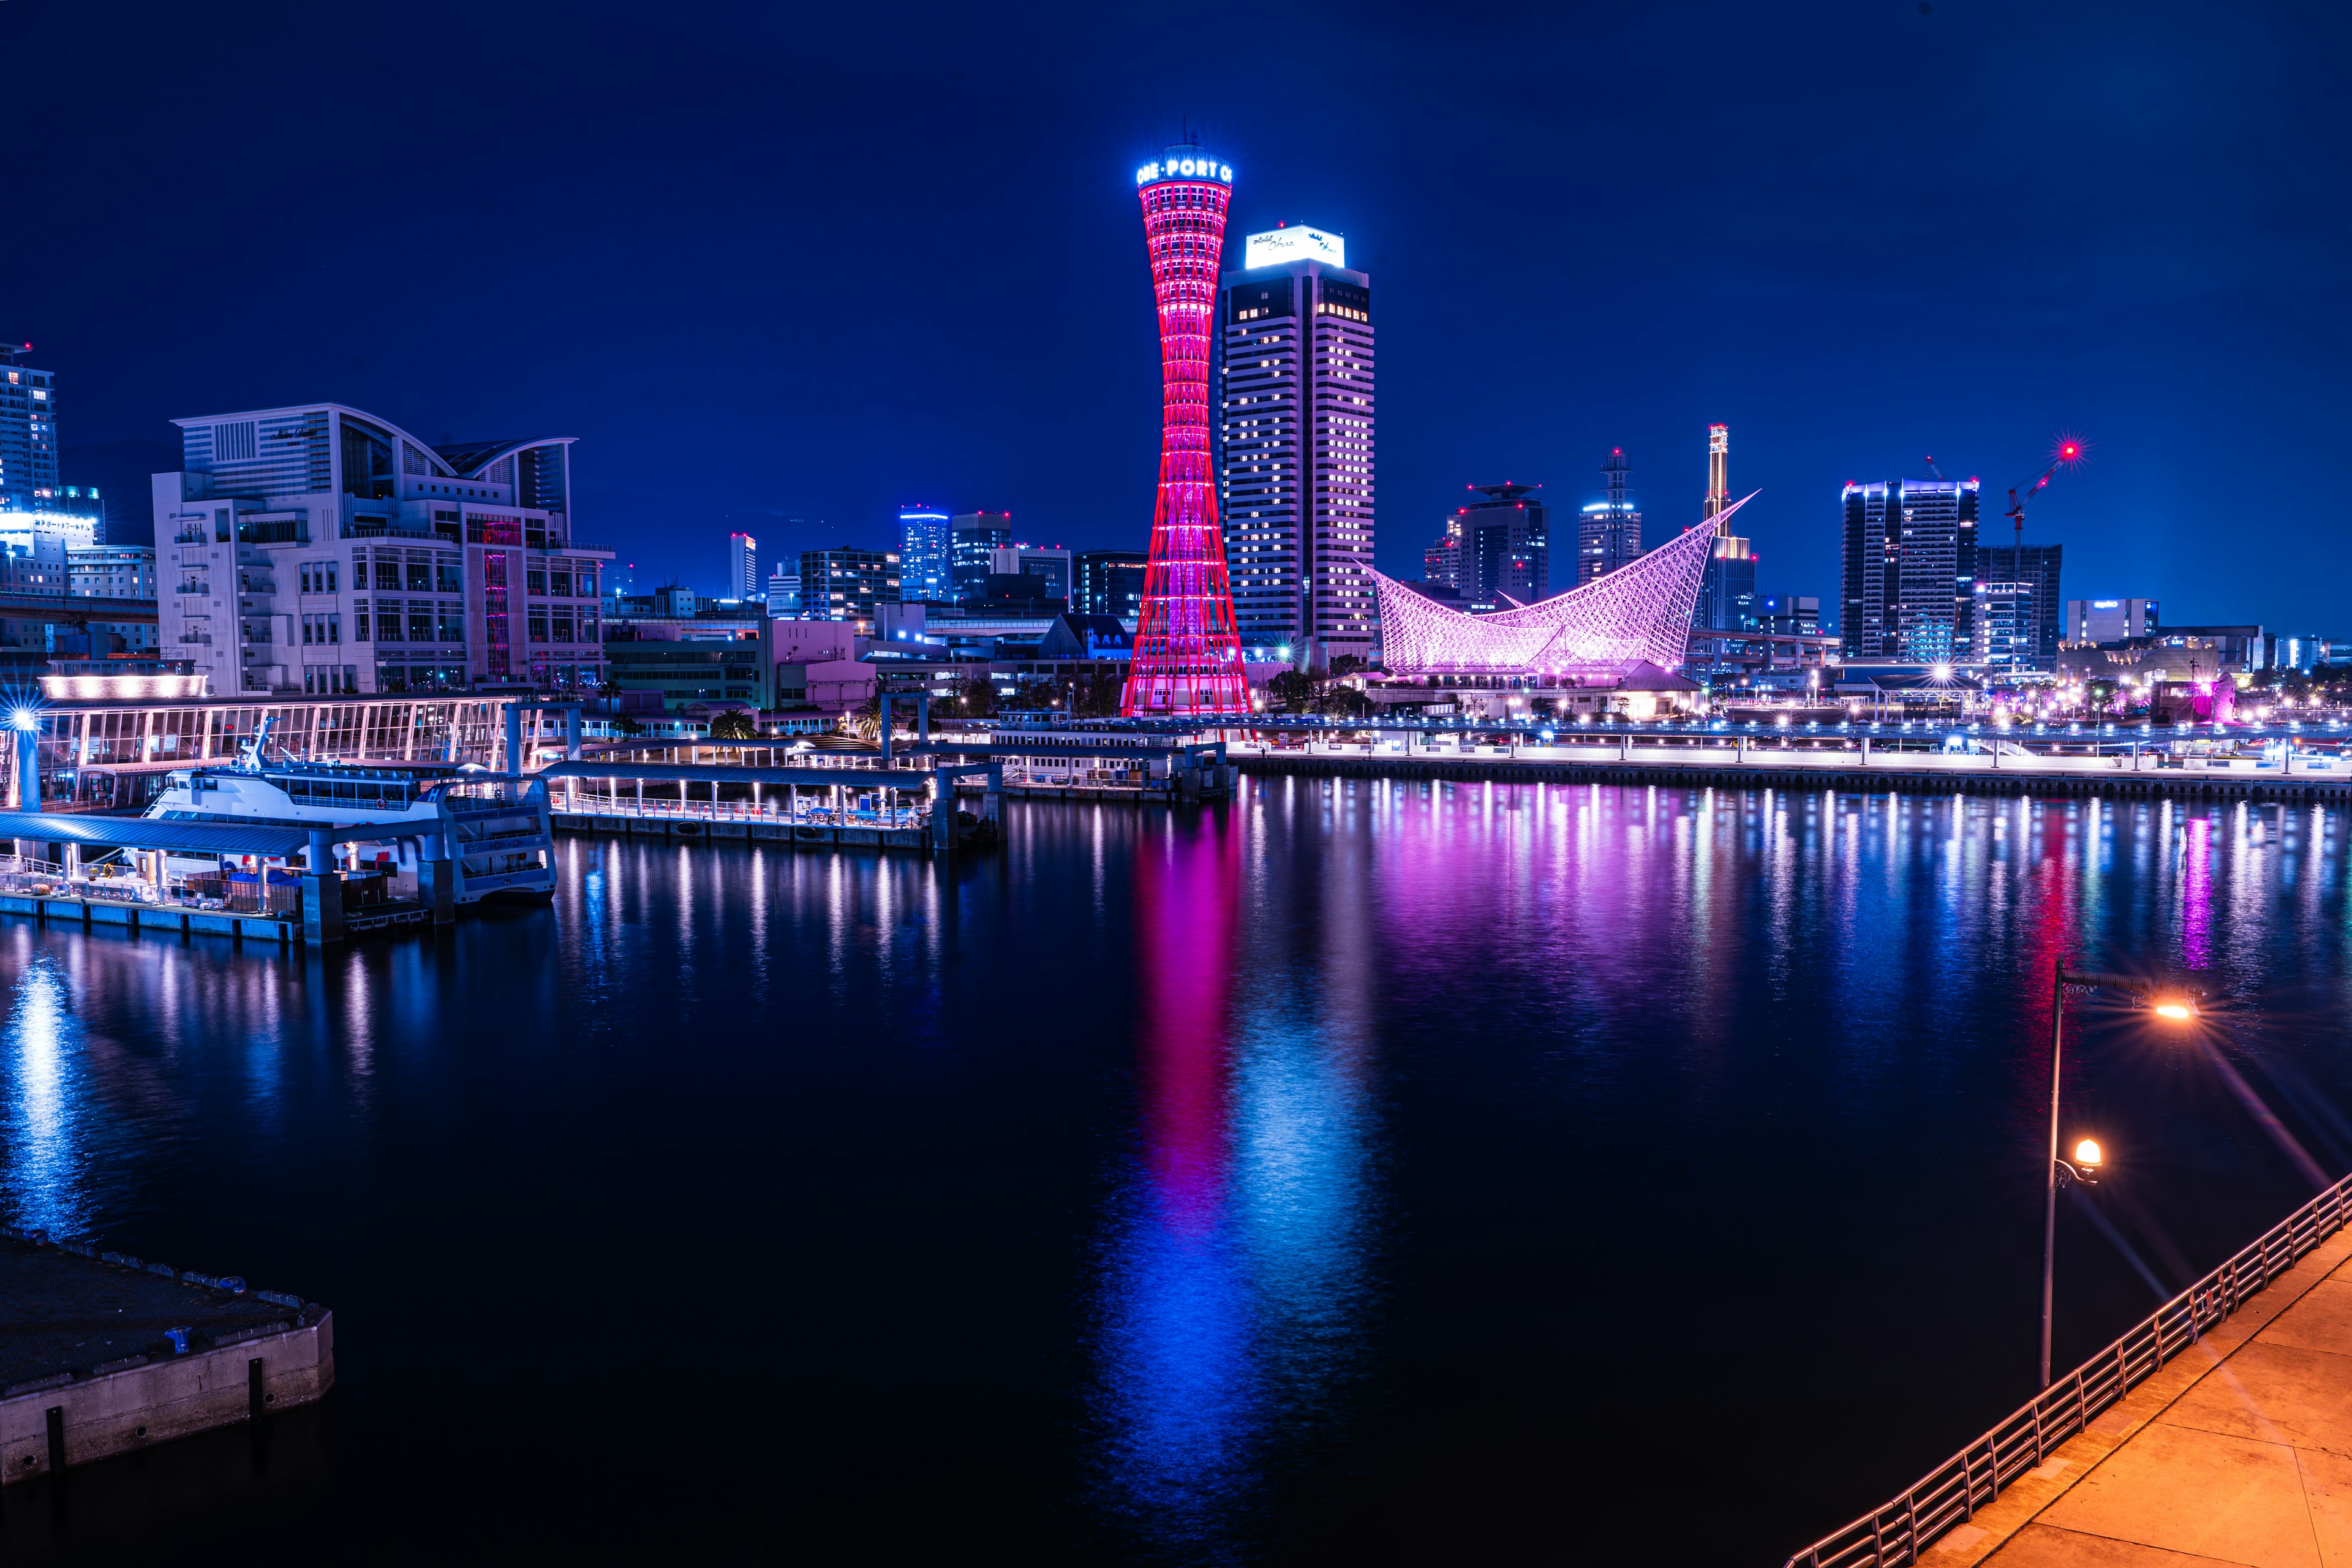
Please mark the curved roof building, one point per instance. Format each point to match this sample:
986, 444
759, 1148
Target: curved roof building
1639, 614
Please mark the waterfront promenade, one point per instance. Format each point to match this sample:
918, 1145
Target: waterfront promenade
2237, 1451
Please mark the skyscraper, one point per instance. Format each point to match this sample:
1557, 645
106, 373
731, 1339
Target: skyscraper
974, 541
1726, 595
1296, 422
1188, 657
1718, 469
1611, 532
2031, 570
1909, 566
926, 555
1497, 550
742, 567
28, 429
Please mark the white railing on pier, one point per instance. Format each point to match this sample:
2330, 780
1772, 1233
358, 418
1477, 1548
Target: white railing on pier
1893, 1534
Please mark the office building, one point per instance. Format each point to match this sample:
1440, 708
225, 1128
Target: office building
318, 549
926, 556
29, 431
784, 594
1110, 582
1908, 568
1296, 438
115, 572
848, 585
974, 539
2030, 574
1609, 534
1049, 564
2096, 621
1496, 552
742, 567
1789, 614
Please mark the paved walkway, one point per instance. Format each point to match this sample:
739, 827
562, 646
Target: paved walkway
2237, 1451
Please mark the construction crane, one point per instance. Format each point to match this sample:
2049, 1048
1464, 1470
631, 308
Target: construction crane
2069, 451
1933, 471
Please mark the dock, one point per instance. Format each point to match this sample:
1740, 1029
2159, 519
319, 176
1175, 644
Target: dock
108, 1353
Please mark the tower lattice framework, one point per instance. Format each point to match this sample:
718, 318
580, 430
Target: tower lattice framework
1188, 652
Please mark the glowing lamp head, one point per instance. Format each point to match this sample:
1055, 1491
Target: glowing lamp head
1940, 672
23, 720
2177, 1009
2088, 1155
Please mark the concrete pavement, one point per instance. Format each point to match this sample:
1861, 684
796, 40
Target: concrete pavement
2237, 1451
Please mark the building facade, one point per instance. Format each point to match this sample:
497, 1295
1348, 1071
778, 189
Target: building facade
848, 585
2030, 574
1049, 564
926, 555
2096, 621
1109, 583
318, 549
784, 592
115, 572
974, 538
29, 431
1908, 570
1296, 461
1495, 552
1610, 533
743, 567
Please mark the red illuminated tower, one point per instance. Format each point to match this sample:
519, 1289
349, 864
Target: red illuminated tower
1187, 655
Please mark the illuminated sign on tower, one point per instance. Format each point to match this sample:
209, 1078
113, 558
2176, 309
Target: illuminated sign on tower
1299, 244
1188, 656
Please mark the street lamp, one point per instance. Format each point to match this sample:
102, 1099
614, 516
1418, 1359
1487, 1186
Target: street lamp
2173, 1007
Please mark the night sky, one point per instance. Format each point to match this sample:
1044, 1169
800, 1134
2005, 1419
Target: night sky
772, 262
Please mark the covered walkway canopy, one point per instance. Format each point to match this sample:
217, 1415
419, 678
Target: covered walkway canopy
671, 772
181, 837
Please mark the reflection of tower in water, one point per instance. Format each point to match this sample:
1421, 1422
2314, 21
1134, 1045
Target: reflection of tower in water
1233, 1268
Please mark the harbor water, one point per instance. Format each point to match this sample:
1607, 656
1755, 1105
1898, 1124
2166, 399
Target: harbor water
1354, 1170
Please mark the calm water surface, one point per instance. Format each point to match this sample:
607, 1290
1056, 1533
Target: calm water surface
1359, 1172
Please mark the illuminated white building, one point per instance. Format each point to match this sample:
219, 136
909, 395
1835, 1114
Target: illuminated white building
1295, 463
321, 550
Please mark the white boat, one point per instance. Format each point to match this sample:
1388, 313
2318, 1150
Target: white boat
495, 828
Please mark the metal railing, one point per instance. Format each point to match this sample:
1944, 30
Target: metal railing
1893, 1533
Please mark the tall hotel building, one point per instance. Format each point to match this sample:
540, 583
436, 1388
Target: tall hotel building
29, 431
1908, 571
319, 550
1609, 534
1295, 465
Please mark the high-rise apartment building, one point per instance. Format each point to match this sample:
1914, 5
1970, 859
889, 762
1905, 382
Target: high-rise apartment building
2096, 621
319, 549
1496, 552
1110, 582
926, 556
1610, 535
1295, 448
29, 431
1908, 569
974, 537
742, 567
847, 586
2030, 576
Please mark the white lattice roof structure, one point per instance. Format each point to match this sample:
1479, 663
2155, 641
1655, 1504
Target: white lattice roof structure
1639, 613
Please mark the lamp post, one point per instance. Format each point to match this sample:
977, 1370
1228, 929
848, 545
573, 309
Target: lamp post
2088, 1156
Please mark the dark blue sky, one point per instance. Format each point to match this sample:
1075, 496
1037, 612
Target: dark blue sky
810, 263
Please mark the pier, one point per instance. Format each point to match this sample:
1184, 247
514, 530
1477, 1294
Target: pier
108, 1353
1777, 761
2217, 1430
